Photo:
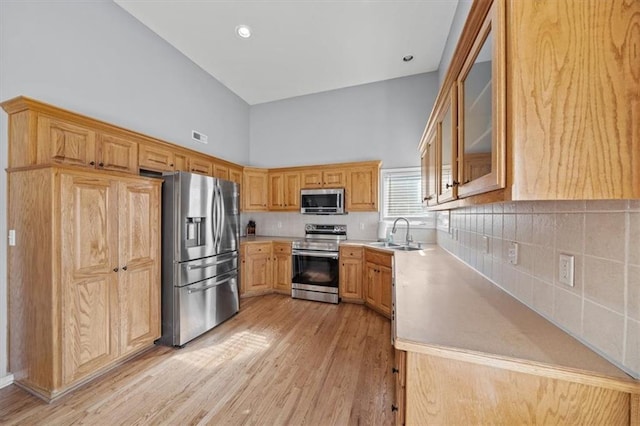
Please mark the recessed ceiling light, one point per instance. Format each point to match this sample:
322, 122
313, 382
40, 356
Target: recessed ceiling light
243, 31
407, 58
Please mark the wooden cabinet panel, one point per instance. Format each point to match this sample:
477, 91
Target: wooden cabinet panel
282, 267
284, 191
65, 143
429, 171
333, 178
89, 284
447, 391
255, 189
235, 175
379, 281
399, 372
155, 158
311, 179
200, 165
351, 279
220, 171
116, 153
574, 87
181, 161
257, 268
139, 285
362, 189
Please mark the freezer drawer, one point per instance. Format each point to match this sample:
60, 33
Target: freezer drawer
198, 270
204, 305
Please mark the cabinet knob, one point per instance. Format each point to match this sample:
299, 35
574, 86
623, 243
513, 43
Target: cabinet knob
92, 163
395, 370
115, 269
124, 268
394, 407
101, 164
171, 165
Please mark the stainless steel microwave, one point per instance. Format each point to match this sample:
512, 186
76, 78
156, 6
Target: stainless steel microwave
322, 201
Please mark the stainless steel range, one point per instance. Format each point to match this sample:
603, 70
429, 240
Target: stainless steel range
315, 263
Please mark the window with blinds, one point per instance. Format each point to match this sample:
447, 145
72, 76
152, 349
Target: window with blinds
402, 194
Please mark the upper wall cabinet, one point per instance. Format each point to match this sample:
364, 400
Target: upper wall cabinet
480, 107
546, 95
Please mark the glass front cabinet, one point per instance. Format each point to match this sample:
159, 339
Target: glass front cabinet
468, 127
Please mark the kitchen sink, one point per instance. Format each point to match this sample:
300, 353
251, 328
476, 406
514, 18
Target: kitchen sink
394, 246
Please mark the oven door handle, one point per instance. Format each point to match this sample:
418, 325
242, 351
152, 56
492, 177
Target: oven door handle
326, 254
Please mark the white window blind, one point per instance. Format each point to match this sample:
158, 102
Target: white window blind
402, 194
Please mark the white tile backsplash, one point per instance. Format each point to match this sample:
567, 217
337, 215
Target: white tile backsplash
603, 308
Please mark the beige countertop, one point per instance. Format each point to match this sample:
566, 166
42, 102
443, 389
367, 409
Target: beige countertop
266, 239
441, 304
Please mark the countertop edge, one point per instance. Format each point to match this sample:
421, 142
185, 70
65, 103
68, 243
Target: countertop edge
585, 377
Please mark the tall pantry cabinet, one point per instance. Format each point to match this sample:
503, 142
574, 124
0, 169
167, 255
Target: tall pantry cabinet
84, 274
84, 269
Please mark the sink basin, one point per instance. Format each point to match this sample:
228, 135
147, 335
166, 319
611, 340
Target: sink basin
407, 248
384, 244
394, 246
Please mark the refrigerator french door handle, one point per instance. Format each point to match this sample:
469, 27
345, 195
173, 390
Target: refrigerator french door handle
206, 265
215, 213
216, 284
222, 217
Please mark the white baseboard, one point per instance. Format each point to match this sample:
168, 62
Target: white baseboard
6, 380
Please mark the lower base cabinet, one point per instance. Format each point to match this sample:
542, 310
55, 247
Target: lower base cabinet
266, 267
85, 286
350, 273
442, 390
378, 277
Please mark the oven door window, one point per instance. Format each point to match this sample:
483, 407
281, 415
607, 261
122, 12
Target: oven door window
315, 270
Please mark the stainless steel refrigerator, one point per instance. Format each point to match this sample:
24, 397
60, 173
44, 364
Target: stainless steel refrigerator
200, 241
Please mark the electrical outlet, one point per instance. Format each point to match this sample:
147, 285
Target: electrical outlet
485, 244
279, 225
12, 237
455, 234
513, 253
566, 270
362, 226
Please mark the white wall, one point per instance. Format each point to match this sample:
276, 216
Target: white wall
96, 59
376, 121
459, 19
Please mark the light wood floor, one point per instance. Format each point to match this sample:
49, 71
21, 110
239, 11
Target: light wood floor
279, 361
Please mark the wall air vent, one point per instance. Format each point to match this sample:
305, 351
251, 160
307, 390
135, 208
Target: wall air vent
199, 137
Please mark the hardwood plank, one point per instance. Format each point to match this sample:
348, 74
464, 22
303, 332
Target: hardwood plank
279, 361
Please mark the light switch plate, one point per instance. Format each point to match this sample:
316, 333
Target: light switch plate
485, 244
12, 237
566, 269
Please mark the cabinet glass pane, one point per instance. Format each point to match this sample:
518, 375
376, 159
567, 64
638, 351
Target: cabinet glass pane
477, 126
446, 178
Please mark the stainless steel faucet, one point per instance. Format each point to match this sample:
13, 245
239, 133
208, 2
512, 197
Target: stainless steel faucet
409, 240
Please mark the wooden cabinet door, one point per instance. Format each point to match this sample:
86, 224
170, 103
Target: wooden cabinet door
181, 162
351, 278
116, 153
291, 191
282, 267
139, 271
276, 191
89, 284
235, 175
258, 267
400, 361
333, 179
311, 179
372, 293
255, 190
200, 165
429, 172
220, 171
155, 158
362, 189
386, 281
65, 143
